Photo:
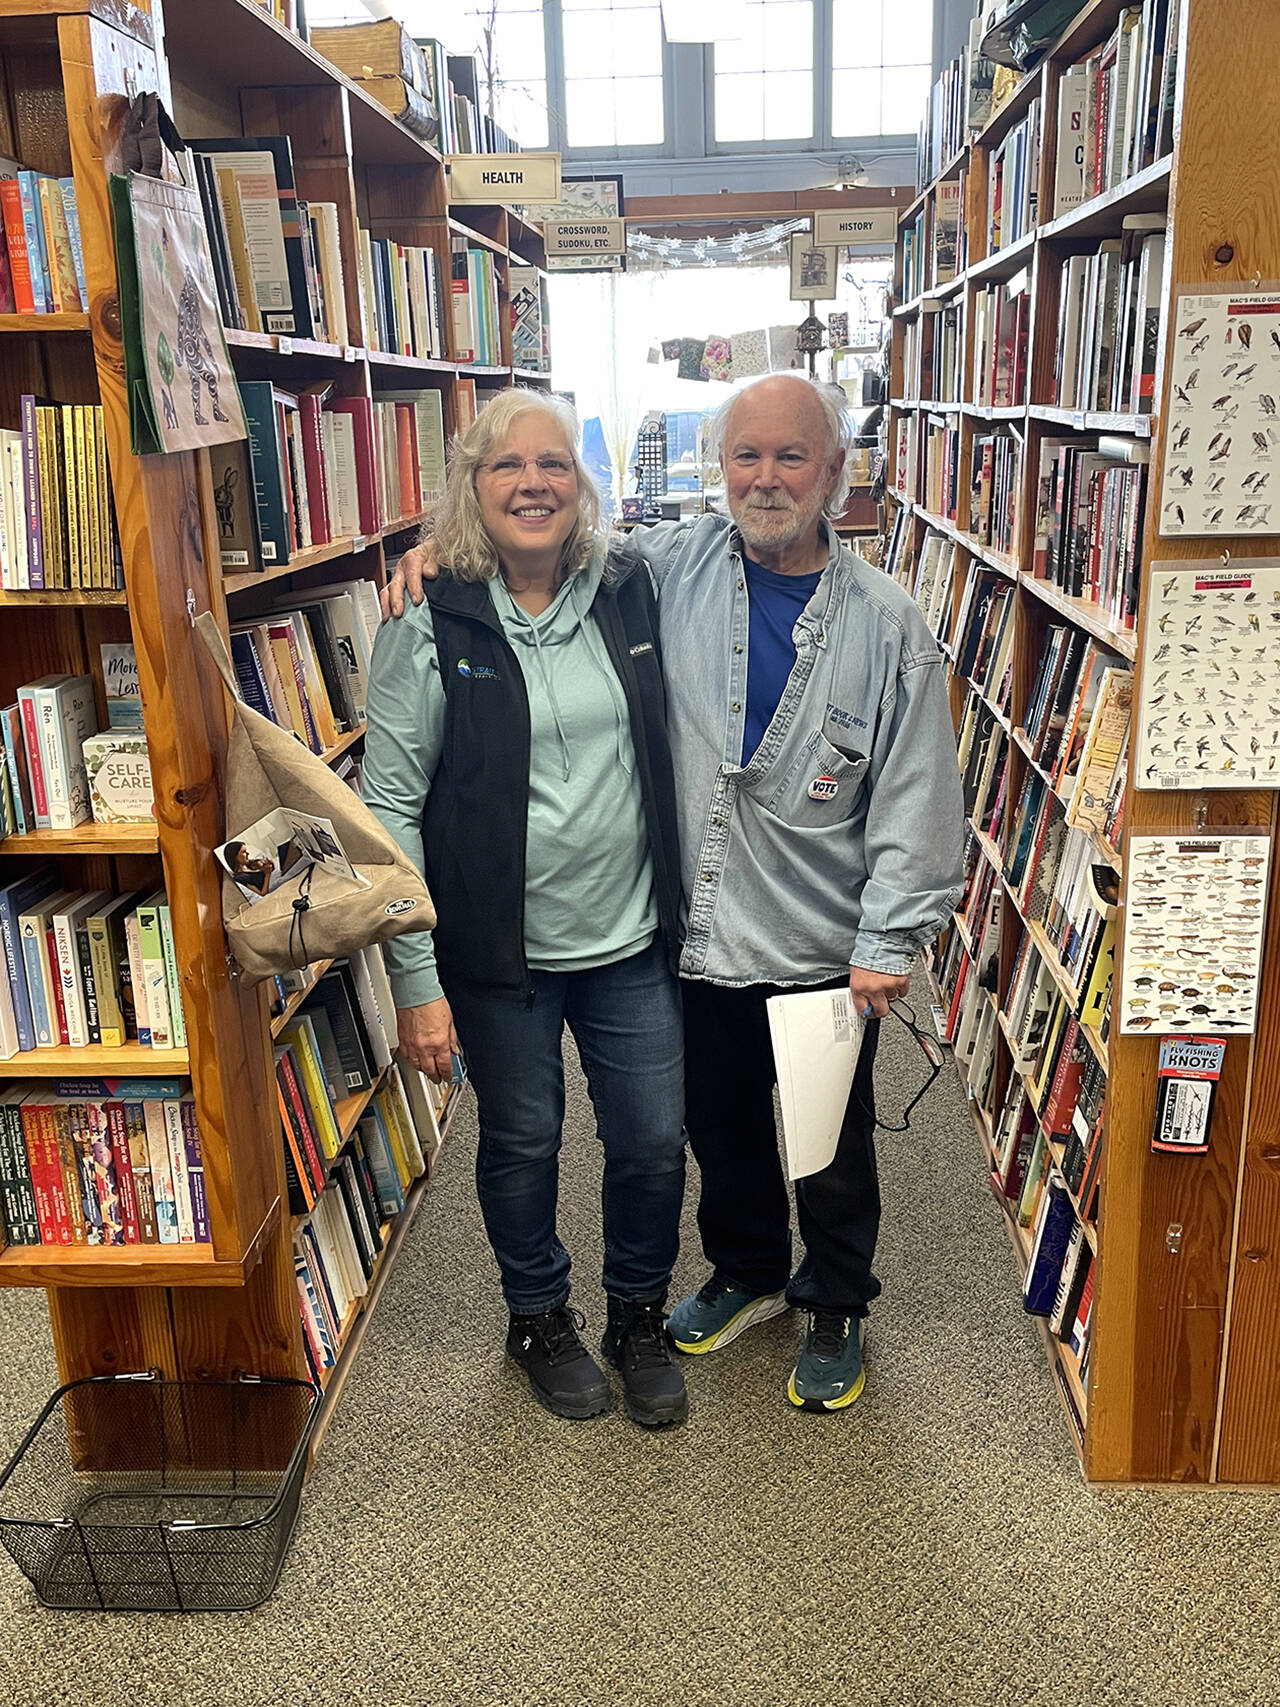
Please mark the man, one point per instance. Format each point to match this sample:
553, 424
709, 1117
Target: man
821, 825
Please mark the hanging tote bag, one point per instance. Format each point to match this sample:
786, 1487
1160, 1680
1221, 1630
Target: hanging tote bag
315, 915
182, 391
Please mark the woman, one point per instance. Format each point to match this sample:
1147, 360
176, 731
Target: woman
517, 751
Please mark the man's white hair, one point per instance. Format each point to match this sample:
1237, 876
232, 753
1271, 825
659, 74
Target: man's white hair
840, 430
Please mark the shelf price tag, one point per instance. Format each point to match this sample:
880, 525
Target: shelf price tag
349, 352
358, 543
284, 346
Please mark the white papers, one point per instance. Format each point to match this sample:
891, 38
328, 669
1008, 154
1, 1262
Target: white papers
816, 1039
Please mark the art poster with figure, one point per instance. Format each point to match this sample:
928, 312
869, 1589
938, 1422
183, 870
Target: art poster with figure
1210, 711
1222, 440
182, 391
814, 269
1196, 911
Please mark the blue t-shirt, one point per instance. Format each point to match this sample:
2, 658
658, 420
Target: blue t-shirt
776, 602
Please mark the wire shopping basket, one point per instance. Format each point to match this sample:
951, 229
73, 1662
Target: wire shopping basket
135, 1493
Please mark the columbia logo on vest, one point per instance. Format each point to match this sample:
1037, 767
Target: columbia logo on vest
481, 672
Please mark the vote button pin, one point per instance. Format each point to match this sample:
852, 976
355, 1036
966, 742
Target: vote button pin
823, 788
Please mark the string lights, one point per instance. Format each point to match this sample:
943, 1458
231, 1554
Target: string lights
647, 250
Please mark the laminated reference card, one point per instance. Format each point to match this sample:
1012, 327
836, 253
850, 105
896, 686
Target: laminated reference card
816, 1039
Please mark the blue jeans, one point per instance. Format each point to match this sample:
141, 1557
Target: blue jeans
625, 1019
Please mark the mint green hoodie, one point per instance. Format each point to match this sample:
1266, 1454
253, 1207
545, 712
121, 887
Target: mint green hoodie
589, 896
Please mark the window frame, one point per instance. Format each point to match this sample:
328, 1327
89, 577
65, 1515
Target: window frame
558, 101
823, 140
688, 101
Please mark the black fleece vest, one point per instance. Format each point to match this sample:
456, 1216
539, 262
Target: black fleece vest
476, 818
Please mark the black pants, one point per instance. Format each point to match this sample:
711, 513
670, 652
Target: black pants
743, 1213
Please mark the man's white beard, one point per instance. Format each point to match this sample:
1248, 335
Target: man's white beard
784, 522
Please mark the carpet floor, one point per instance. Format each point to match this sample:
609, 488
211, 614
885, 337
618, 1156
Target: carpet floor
459, 1547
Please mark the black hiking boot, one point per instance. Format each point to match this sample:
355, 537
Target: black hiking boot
636, 1344
562, 1372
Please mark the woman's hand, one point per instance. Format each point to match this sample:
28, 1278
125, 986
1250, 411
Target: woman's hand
415, 567
428, 1040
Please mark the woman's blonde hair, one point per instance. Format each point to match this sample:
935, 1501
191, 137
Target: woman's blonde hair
457, 530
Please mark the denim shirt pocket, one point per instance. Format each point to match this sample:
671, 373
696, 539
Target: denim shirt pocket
821, 787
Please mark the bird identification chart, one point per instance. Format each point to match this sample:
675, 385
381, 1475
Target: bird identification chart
1210, 711
1222, 446
1196, 908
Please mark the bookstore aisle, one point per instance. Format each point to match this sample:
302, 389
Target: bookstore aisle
460, 1548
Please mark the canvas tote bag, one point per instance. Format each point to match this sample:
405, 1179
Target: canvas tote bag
316, 915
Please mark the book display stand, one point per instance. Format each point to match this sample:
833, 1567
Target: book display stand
1033, 396
223, 68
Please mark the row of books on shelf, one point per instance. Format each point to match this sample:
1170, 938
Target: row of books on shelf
1027, 1174
1090, 498
1061, 1083
1001, 324
345, 1185
57, 517
279, 268
933, 354
41, 256
337, 1246
404, 298
477, 331
102, 1162
277, 259
960, 102
1051, 1121
59, 769
87, 967
941, 466
935, 244
930, 579
320, 467
984, 636
1065, 696
1013, 183
995, 487
337, 1045
1115, 106
983, 752
1049, 864
1109, 310
305, 663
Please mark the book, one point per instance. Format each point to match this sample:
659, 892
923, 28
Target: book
152, 968
1049, 1248
65, 716
155, 1127
65, 924
117, 765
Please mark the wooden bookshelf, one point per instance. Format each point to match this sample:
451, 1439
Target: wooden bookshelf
227, 68
1183, 1384
127, 1061
87, 838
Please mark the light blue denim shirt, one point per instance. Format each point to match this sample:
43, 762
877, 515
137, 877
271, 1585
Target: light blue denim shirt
840, 843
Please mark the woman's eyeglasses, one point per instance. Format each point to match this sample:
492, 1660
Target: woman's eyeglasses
508, 468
